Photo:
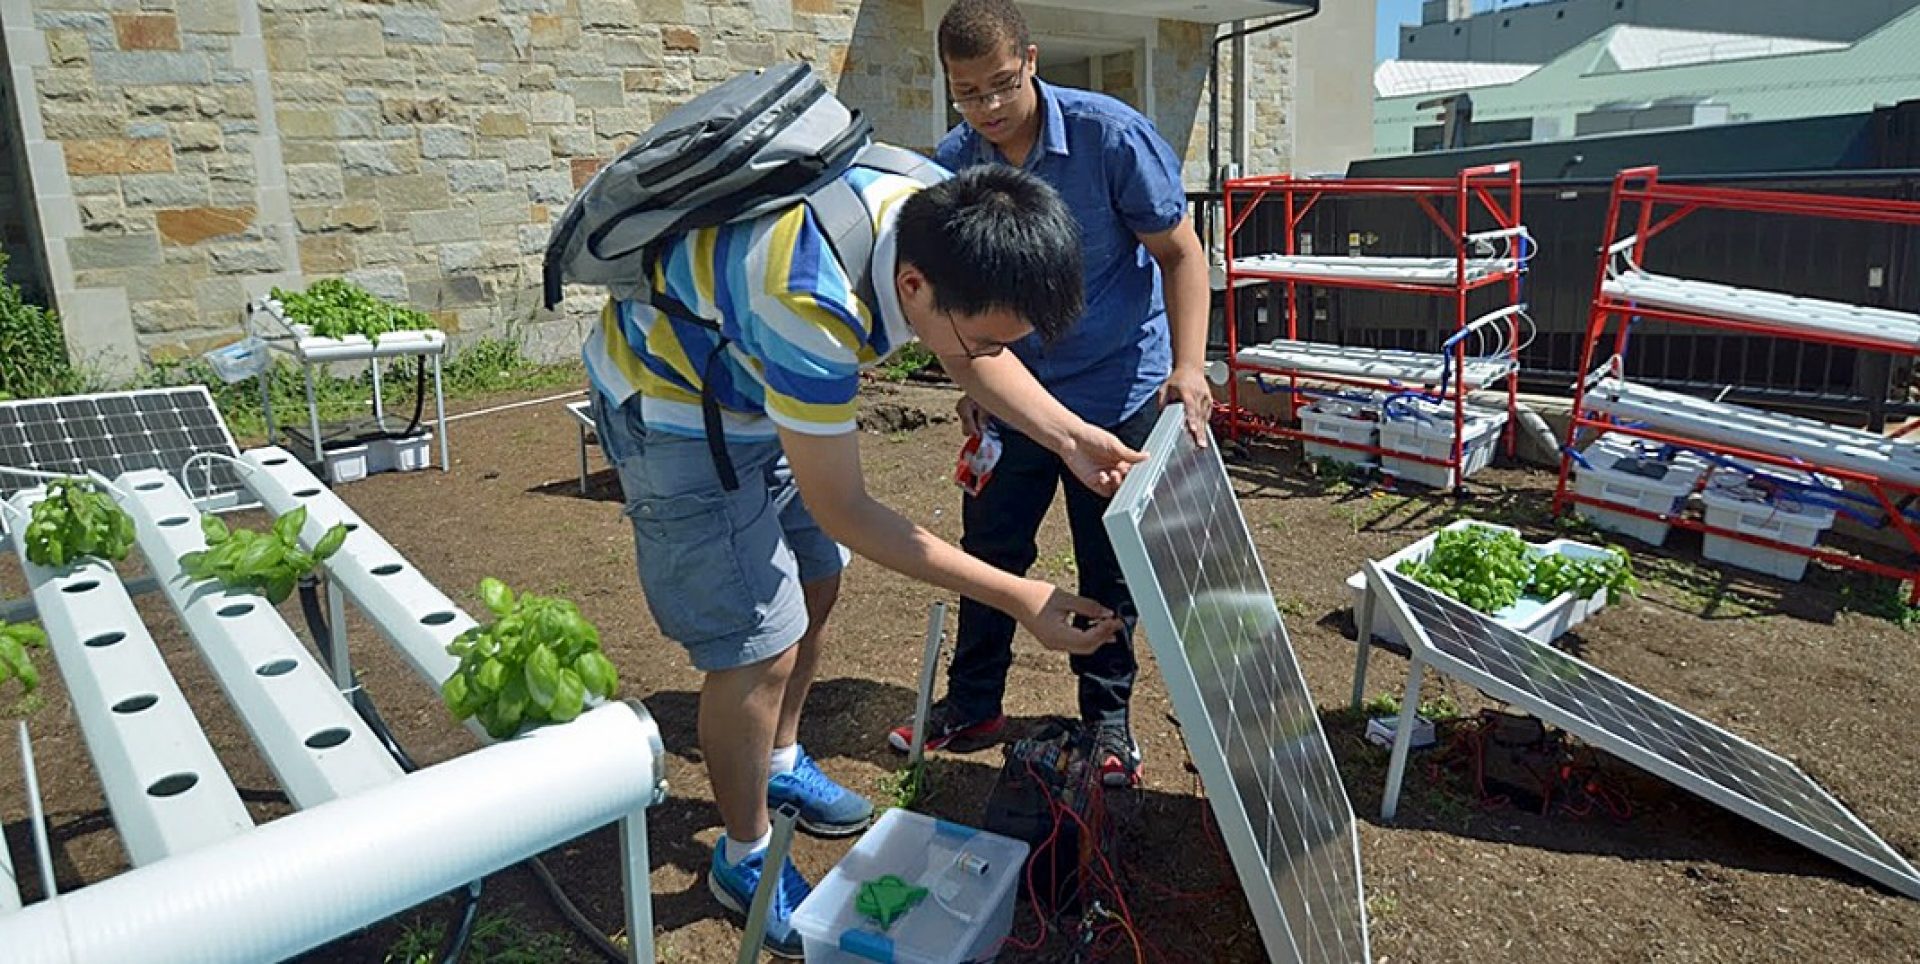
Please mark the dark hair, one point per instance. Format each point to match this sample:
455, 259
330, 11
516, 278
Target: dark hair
992, 237
980, 28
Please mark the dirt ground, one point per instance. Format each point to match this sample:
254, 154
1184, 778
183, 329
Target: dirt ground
1795, 667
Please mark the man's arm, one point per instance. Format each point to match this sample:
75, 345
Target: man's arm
1183, 266
1002, 384
827, 470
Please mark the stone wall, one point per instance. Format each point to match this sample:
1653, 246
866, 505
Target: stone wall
210, 149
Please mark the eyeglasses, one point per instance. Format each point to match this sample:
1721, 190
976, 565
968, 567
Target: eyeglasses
988, 100
992, 348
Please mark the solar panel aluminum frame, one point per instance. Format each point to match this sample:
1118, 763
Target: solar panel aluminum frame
1384, 595
1205, 744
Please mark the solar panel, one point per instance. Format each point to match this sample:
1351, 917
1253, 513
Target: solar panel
116, 432
1629, 723
1243, 706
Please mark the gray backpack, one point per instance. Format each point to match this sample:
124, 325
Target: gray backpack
755, 144
758, 143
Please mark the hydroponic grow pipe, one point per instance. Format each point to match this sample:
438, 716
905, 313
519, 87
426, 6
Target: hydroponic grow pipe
305, 879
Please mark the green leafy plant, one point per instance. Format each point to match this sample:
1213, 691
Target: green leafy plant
537, 662
912, 359
17, 640
270, 563
1490, 569
75, 520
1555, 574
36, 362
337, 308
1487, 569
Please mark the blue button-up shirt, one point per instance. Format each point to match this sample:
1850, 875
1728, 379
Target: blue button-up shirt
1120, 180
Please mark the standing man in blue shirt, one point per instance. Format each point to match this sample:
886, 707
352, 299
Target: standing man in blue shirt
1141, 343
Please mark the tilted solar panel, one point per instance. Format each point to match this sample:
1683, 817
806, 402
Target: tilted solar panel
1629, 723
116, 432
1243, 705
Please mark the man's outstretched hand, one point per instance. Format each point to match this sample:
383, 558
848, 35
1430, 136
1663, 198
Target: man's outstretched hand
1048, 612
1100, 460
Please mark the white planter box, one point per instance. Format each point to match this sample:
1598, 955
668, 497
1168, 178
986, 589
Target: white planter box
965, 917
1732, 502
1355, 423
1432, 437
1543, 621
1624, 472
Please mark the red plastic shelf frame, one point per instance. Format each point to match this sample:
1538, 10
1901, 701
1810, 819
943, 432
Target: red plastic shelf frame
1656, 208
1492, 191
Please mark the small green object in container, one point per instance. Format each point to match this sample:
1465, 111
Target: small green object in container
887, 899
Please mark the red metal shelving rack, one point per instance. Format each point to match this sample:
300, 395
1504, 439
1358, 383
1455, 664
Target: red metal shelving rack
1453, 204
1659, 208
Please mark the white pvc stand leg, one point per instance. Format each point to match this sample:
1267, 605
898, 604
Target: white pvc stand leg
1402, 740
1365, 617
636, 871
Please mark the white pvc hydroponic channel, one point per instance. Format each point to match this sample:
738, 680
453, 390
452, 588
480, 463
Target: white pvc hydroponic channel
206, 884
1787, 436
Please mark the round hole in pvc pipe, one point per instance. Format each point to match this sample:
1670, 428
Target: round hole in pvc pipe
351, 526
104, 640
390, 569
306, 493
172, 521
81, 586
329, 738
437, 619
148, 486
278, 460
173, 785
279, 667
134, 704
237, 609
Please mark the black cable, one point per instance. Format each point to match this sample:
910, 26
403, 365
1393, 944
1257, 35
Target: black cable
454, 945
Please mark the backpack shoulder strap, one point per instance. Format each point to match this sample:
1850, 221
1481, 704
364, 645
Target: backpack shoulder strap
843, 217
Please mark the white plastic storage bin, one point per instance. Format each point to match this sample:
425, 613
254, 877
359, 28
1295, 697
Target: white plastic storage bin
400, 454
1426, 429
345, 464
1542, 621
1627, 471
1743, 502
970, 875
1342, 420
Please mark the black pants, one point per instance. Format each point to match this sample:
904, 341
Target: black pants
999, 528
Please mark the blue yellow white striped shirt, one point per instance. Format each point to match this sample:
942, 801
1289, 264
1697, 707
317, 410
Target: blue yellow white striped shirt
796, 336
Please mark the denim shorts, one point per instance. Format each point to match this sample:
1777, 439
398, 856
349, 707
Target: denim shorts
721, 570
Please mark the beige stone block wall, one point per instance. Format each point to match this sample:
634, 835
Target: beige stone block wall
424, 149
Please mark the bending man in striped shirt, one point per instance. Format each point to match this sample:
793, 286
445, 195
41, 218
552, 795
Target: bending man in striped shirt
744, 579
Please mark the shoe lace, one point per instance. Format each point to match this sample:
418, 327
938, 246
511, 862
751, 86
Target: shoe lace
1114, 739
808, 774
792, 890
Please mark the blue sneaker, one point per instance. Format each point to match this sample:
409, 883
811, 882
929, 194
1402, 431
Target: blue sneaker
733, 886
827, 809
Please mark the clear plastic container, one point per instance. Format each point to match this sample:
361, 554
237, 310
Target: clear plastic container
969, 875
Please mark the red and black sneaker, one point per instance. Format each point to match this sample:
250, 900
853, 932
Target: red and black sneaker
1119, 756
947, 729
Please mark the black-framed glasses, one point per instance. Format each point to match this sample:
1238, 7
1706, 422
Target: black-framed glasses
988, 100
992, 349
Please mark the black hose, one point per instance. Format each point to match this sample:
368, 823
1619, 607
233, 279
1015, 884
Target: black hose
457, 937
